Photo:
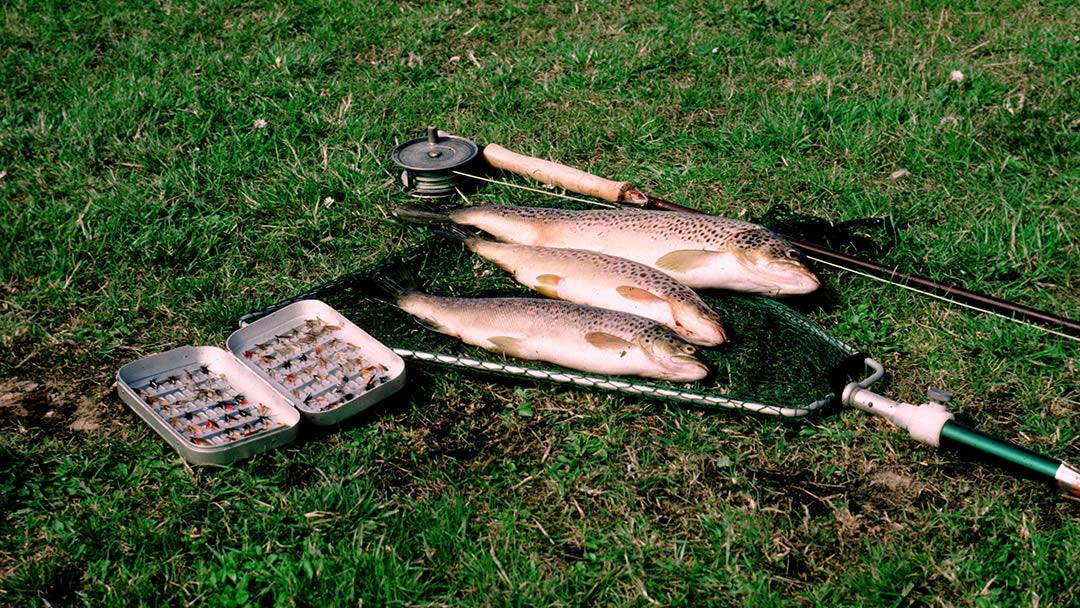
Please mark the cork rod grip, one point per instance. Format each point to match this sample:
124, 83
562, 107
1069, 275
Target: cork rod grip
548, 172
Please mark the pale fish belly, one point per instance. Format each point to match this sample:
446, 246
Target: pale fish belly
537, 329
687, 264
589, 278
692, 263
610, 295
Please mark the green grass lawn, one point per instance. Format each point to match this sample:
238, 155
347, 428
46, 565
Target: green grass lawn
168, 167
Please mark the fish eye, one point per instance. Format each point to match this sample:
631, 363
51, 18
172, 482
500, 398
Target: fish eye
689, 349
793, 254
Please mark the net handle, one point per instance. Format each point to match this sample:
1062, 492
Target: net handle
877, 374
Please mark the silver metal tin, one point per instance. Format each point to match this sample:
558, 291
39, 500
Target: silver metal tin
207, 405
326, 366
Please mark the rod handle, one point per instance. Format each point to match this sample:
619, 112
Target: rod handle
547, 172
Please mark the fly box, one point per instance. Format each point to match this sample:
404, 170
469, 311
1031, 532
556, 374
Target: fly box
216, 406
326, 366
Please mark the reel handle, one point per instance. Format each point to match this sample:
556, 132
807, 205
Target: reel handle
545, 171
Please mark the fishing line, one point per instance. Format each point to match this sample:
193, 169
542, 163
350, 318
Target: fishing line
462, 195
537, 190
944, 299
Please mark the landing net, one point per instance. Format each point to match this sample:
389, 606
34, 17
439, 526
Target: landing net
776, 361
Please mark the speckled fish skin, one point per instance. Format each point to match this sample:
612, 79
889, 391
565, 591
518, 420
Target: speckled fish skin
571, 335
701, 251
605, 281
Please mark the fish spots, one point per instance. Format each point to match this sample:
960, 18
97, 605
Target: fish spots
761, 238
563, 224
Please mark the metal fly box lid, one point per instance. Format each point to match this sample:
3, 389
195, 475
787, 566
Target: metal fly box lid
323, 363
207, 405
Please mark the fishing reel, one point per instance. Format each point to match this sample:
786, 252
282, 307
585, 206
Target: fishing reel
432, 164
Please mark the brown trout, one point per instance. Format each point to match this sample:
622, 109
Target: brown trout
578, 337
603, 281
697, 250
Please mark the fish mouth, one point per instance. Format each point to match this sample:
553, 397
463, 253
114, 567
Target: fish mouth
698, 324
776, 276
805, 281
787, 279
714, 337
688, 369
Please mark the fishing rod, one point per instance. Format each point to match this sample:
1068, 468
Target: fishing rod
625, 193
435, 164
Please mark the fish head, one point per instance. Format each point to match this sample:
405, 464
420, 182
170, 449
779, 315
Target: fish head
697, 323
773, 265
676, 358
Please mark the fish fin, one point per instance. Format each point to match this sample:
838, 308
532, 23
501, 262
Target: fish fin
434, 326
548, 284
549, 279
508, 345
606, 341
637, 294
422, 213
685, 260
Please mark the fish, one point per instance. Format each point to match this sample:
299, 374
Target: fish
600, 280
699, 251
575, 336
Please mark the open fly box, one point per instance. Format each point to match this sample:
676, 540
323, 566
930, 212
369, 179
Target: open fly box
215, 406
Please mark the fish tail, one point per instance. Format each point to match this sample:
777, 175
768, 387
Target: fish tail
422, 213
395, 282
456, 233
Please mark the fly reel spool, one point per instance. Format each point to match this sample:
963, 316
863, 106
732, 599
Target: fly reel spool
430, 163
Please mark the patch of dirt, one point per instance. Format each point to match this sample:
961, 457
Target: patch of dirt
56, 407
888, 490
18, 397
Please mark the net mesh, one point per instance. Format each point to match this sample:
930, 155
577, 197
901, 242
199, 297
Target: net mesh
776, 361
872, 236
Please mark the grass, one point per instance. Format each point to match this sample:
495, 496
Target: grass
166, 168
